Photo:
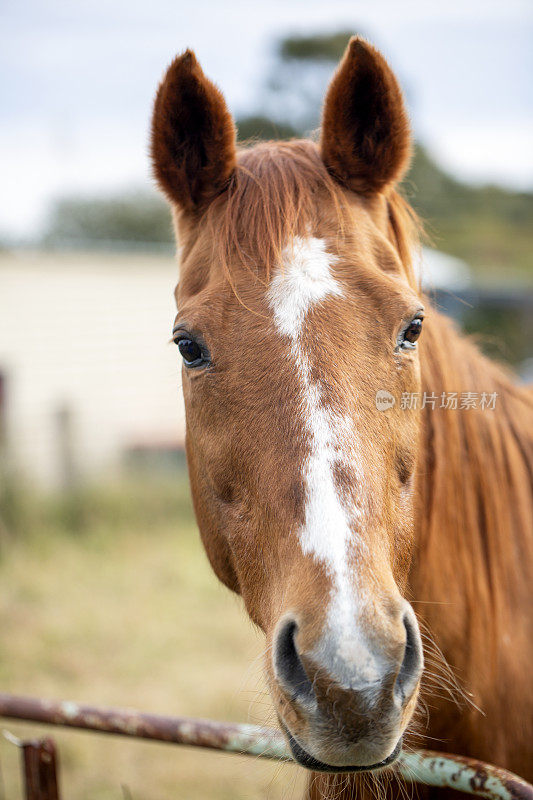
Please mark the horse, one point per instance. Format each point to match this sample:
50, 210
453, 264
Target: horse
361, 474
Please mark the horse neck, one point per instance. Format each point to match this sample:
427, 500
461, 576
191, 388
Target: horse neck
474, 494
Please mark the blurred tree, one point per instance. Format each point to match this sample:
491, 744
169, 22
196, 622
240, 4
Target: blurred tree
259, 128
131, 217
320, 47
298, 77
487, 226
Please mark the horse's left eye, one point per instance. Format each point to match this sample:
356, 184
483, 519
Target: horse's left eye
410, 334
190, 351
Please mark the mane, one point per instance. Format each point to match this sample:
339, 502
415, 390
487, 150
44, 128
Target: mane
475, 497
278, 191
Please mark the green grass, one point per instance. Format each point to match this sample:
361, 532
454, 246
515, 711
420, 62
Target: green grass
114, 603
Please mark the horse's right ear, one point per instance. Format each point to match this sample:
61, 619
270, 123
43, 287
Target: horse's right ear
193, 144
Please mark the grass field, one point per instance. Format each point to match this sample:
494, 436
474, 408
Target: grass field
107, 598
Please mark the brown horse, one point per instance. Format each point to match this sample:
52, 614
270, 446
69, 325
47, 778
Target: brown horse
340, 470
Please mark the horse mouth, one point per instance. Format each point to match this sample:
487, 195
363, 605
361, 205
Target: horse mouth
304, 759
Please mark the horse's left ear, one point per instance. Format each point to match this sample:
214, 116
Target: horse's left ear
366, 139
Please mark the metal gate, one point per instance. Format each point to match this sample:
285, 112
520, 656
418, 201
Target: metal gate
40, 762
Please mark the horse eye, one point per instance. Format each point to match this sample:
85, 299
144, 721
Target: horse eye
190, 351
411, 334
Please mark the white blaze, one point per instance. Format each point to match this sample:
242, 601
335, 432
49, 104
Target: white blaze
331, 521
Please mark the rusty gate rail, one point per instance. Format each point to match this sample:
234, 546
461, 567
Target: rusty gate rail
419, 766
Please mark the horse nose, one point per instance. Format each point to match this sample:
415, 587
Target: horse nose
412, 663
365, 677
288, 665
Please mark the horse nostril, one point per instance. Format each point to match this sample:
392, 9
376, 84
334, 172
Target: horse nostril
288, 665
411, 668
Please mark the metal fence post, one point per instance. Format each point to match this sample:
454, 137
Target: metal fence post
40, 766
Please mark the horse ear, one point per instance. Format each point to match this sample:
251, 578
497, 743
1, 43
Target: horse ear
366, 140
193, 145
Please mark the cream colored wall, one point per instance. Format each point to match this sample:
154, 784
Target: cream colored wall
89, 331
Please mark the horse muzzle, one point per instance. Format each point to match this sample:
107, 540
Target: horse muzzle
345, 699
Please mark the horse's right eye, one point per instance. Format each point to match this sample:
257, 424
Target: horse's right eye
191, 352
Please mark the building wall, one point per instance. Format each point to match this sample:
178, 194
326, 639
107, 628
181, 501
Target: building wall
88, 333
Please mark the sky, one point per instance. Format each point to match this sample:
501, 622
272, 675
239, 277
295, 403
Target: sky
78, 81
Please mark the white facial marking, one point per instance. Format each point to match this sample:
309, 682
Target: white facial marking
331, 520
304, 281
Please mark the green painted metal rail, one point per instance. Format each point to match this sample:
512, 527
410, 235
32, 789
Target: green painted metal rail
420, 766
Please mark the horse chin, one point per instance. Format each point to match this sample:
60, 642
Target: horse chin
305, 759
